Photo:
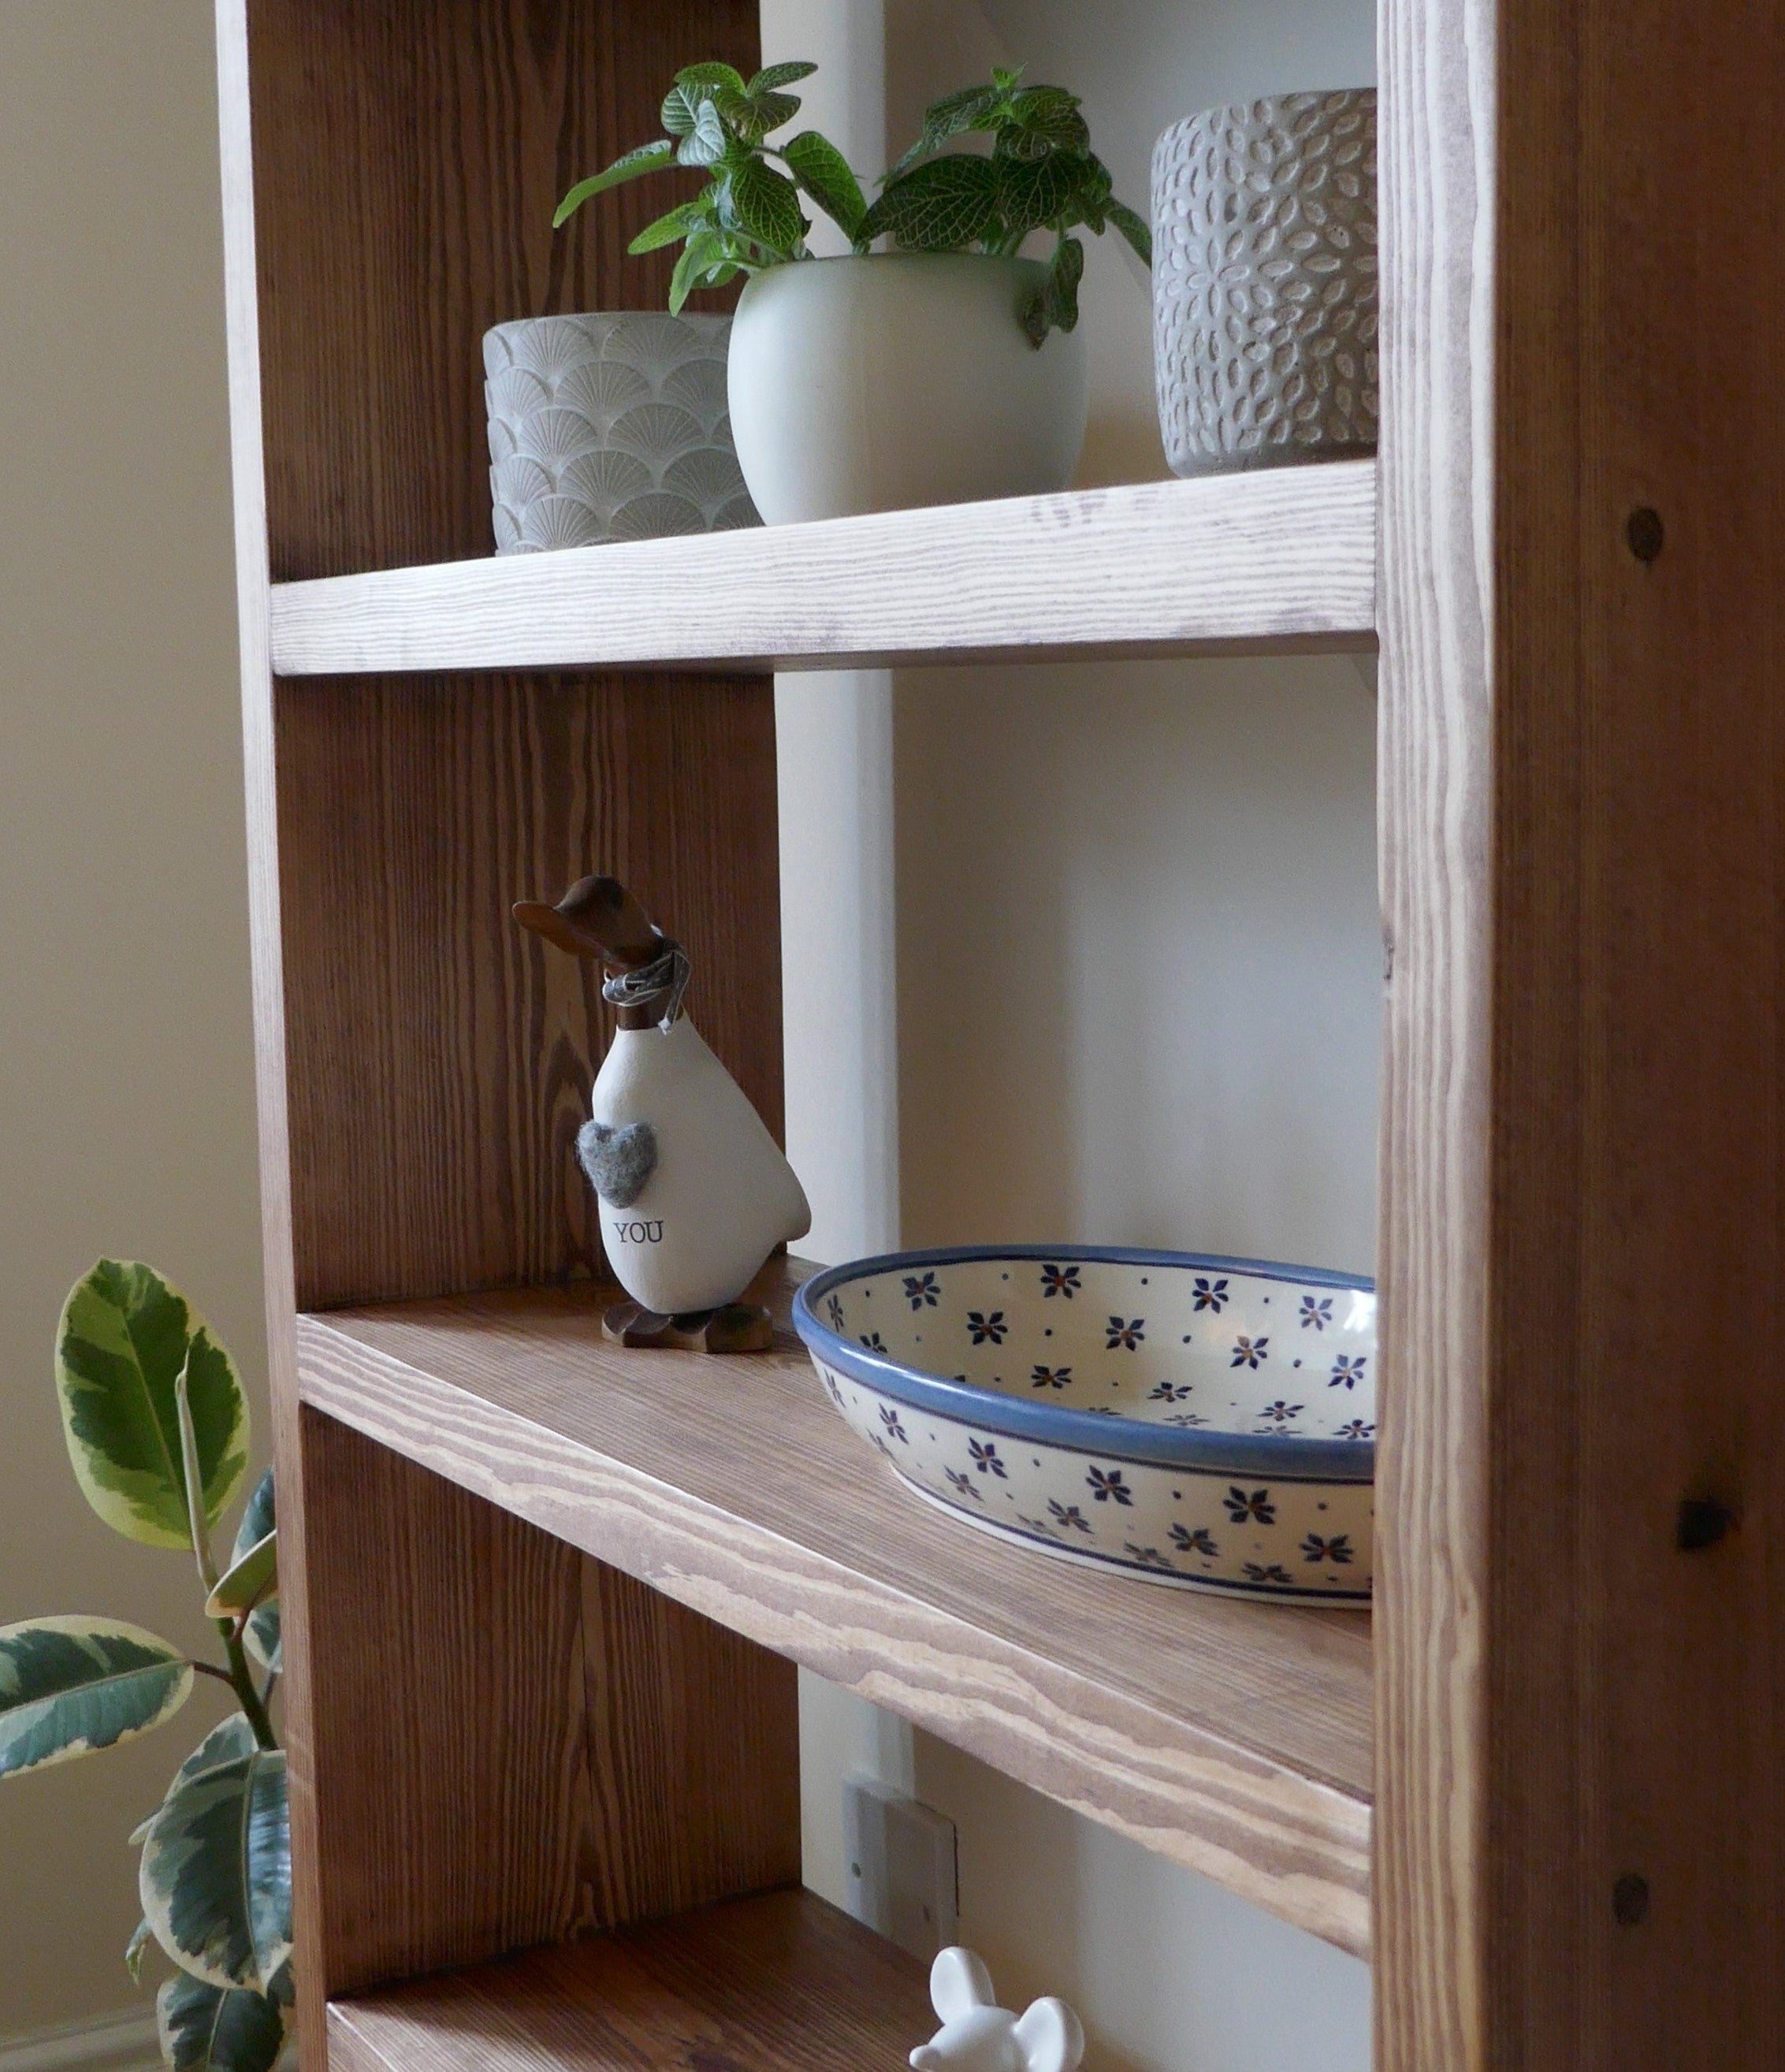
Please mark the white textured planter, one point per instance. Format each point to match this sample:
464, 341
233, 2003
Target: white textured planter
885, 382
1265, 282
610, 426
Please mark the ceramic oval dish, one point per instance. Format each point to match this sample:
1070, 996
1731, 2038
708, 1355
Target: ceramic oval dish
1204, 1422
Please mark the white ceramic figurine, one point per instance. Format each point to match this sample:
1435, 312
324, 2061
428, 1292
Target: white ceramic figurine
694, 1192
976, 2035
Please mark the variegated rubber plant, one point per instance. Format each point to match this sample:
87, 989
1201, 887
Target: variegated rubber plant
1040, 174
157, 1427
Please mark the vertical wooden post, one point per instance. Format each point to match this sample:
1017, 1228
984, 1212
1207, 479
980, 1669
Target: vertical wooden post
1582, 1612
510, 1743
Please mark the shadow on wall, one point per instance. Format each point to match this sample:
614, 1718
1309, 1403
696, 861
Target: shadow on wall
1140, 957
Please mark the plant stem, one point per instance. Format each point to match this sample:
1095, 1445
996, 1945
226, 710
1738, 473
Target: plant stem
241, 1679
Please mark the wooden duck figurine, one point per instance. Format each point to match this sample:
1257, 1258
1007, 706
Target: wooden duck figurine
694, 1193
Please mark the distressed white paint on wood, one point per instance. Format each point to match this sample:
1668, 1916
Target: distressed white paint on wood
1285, 559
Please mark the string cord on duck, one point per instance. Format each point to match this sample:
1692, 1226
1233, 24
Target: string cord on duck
668, 972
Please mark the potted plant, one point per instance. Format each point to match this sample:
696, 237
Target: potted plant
945, 369
156, 1428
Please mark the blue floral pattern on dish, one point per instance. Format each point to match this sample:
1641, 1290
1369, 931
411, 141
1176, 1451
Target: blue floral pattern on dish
1202, 1470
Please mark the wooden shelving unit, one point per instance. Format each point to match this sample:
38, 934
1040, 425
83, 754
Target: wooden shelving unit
756, 1984
1561, 1844
1283, 561
1233, 1737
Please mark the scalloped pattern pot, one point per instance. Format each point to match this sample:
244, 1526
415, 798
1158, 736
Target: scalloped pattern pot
608, 427
1200, 1421
1264, 287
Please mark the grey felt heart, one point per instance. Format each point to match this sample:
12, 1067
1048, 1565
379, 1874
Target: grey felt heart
618, 1161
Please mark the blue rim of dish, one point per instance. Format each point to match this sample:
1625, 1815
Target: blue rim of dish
1205, 1450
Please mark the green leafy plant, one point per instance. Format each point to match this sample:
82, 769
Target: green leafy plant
1040, 175
156, 1428
748, 216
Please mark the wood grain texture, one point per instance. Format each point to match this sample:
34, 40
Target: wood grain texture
510, 1743
1232, 1737
1581, 1846
780, 1984
445, 1746
1282, 560
454, 1793
409, 156
693, 1756
440, 1058
1436, 147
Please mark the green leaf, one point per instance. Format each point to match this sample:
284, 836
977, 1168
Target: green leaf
1133, 227
700, 253
70, 1686
258, 1518
1031, 192
825, 175
941, 206
766, 205
1039, 120
1006, 82
134, 1951
706, 143
647, 159
228, 1741
710, 75
215, 1874
262, 1637
972, 108
124, 1335
1056, 304
205, 2029
752, 116
667, 229
773, 76
252, 1576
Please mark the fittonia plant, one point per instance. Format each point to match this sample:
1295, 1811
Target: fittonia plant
1040, 175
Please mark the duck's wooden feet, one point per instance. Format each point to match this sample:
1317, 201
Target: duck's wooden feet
738, 1327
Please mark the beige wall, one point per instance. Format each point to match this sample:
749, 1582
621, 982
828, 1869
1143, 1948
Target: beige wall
126, 1121
1138, 1000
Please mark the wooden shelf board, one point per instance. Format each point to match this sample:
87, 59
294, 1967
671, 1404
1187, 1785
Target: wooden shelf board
781, 1983
1230, 1736
1283, 559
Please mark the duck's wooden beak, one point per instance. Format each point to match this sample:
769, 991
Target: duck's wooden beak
597, 918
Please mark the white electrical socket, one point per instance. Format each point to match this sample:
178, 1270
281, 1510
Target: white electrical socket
900, 1861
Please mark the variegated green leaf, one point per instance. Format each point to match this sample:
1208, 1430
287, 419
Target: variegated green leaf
766, 205
215, 1873
228, 1741
258, 1518
208, 2028
941, 206
262, 1635
1039, 120
826, 175
69, 1686
971, 108
125, 1337
647, 159
707, 143
772, 78
134, 1950
249, 1578
263, 1639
